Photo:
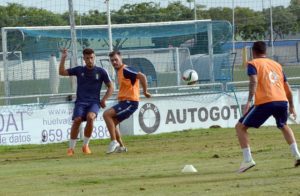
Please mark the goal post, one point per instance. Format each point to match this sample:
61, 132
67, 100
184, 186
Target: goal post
179, 45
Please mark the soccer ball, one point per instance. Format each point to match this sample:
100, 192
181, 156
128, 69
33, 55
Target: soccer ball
190, 76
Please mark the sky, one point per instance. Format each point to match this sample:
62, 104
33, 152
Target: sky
61, 6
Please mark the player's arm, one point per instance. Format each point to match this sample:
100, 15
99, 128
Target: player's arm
109, 92
252, 73
252, 87
289, 95
143, 81
252, 90
62, 70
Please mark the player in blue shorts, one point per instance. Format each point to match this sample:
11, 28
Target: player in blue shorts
128, 97
88, 102
273, 97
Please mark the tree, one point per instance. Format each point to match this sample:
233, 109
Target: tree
284, 22
190, 3
136, 13
17, 15
93, 17
250, 25
295, 10
202, 13
176, 11
220, 13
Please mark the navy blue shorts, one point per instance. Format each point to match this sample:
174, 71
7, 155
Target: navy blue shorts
124, 109
257, 115
81, 109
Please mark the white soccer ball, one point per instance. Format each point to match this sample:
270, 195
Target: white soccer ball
190, 75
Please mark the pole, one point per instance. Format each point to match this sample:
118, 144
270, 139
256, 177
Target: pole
195, 10
178, 66
210, 52
73, 43
233, 26
271, 29
74, 53
297, 51
73, 34
110, 45
5, 65
109, 25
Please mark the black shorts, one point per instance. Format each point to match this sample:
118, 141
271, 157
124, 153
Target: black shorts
125, 109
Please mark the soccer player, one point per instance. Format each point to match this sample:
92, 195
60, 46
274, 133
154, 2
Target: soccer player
87, 104
128, 97
273, 97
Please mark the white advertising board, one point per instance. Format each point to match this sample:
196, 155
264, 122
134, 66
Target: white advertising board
168, 114
41, 124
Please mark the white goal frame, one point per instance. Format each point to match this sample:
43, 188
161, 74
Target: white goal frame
4, 31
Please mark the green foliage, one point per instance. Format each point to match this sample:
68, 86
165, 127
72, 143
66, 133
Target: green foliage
17, 15
137, 13
249, 24
177, 11
220, 13
284, 22
93, 17
295, 8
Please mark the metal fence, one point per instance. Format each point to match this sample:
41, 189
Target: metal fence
25, 66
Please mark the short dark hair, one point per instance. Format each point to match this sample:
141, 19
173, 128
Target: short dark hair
113, 53
88, 51
259, 47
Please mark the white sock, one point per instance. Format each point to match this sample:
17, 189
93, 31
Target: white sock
72, 143
115, 141
294, 150
86, 140
247, 154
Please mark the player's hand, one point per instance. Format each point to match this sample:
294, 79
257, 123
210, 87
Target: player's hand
64, 53
247, 107
103, 103
293, 112
147, 94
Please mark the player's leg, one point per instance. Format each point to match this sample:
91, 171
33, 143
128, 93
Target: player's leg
122, 147
109, 116
90, 118
290, 139
128, 108
113, 117
243, 138
118, 136
73, 135
255, 117
88, 132
242, 135
281, 116
92, 112
78, 117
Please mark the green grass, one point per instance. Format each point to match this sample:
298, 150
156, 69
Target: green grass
153, 166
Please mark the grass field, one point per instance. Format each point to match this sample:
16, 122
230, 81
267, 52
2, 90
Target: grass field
153, 166
290, 71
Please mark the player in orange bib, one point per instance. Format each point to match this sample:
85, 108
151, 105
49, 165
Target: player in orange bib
272, 97
128, 97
